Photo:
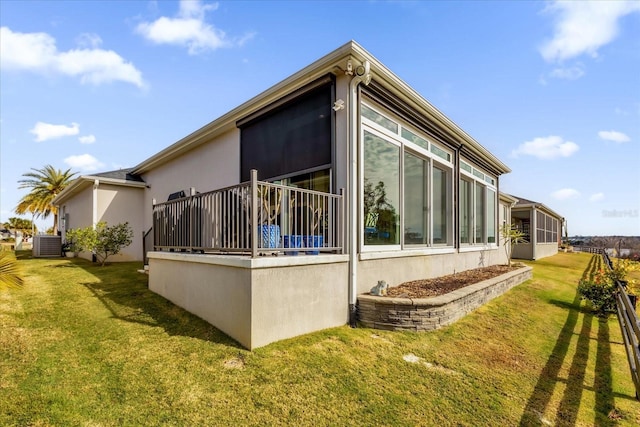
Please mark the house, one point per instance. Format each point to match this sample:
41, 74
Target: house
113, 197
542, 228
342, 171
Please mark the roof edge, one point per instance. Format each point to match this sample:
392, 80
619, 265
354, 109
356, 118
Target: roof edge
77, 185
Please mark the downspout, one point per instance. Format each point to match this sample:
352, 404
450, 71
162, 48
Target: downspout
94, 219
362, 74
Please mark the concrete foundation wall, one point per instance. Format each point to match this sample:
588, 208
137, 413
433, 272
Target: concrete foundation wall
545, 250
255, 301
523, 251
400, 269
219, 294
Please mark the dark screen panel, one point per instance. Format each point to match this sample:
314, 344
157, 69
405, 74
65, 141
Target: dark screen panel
293, 138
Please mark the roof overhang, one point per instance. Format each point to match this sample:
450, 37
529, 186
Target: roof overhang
335, 62
84, 181
538, 206
507, 198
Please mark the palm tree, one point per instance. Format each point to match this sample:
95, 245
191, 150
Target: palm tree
9, 272
45, 185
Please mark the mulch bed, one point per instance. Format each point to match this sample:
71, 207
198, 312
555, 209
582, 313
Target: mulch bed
427, 288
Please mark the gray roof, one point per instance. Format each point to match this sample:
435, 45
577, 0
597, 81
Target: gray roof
123, 174
523, 201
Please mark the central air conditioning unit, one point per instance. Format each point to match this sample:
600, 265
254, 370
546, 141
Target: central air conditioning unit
47, 246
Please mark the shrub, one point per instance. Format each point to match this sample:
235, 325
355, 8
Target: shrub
104, 240
599, 286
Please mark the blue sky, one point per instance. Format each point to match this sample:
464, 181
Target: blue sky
551, 88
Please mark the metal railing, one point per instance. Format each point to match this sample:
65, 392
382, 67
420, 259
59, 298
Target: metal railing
147, 244
256, 218
629, 326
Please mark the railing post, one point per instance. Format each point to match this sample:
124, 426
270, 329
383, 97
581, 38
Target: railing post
192, 193
341, 221
254, 213
154, 226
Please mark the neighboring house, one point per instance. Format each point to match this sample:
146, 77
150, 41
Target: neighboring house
5, 234
542, 228
114, 197
345, 152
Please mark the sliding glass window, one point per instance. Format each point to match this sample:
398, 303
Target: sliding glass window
477, 206
416, 194
381, 190
407, 184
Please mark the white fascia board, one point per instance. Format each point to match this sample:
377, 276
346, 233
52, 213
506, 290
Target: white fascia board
538, 206
87, 180
332, 62
507, 197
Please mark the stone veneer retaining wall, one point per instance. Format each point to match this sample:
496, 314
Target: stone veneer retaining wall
425, 314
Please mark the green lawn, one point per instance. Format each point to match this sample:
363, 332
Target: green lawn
90, 346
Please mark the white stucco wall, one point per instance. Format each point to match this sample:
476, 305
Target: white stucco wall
118, 204
546, 249
210, 166
80, 213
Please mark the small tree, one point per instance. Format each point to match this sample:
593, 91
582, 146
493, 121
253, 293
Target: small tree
74, 240
105, 241
511, 237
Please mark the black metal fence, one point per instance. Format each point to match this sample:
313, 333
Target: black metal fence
629, 325
254, 217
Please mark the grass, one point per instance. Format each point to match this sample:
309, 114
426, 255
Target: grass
84, 345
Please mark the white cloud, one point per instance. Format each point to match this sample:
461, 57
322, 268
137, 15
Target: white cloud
596, 197
37, 52
612, 135
547, 148
568, 73
89, 40
85, 162
189, 29
47, 131
582, 27
565, 194
87, 139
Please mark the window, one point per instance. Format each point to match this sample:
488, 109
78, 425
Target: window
477, 206
402, 165
381, 190
416, 196
466, 200
546, 228
441, 201
491, 213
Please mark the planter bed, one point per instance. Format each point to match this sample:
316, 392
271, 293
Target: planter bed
425, 314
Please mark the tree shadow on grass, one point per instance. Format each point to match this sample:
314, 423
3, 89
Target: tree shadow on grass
549, 379
127, 297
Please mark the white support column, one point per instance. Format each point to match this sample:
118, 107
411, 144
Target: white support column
96, 184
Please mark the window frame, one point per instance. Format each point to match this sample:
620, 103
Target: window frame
433, 159
478, 177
